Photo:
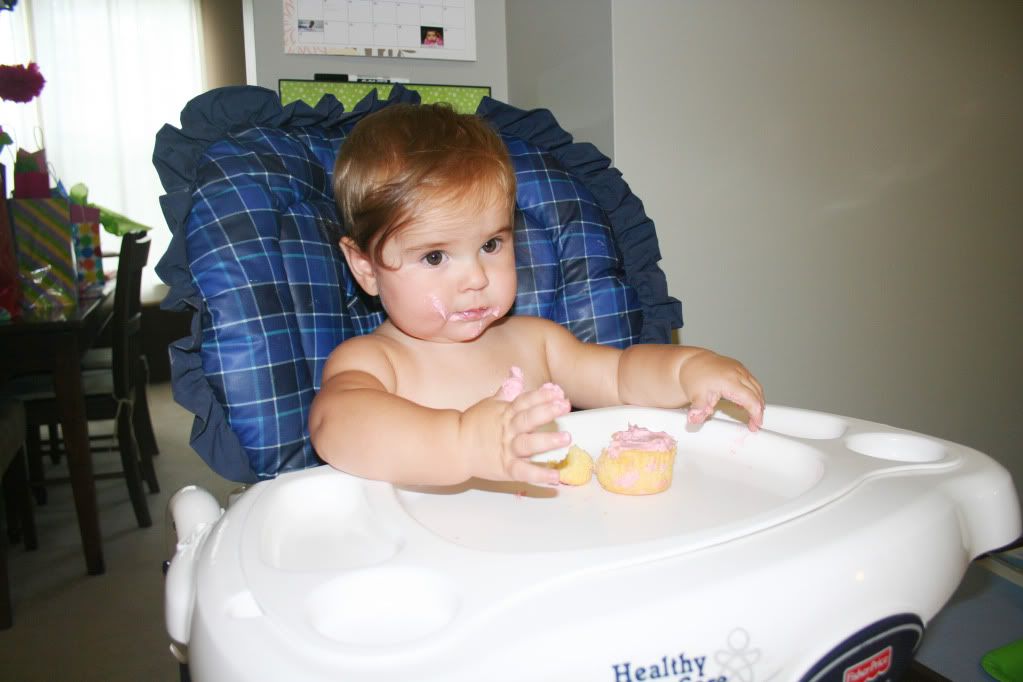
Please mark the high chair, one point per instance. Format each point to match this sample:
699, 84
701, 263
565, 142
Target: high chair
248, 193
816, 549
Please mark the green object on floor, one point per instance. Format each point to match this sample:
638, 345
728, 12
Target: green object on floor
1005, 664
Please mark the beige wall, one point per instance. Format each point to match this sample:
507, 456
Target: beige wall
223, 42
559, 58
836, 187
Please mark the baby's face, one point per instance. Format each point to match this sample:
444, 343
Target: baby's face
455, 272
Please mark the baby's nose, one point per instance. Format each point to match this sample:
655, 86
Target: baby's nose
475, 276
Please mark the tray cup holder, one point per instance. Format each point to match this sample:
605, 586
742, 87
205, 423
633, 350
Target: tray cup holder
382, 606
317, 523
897, 447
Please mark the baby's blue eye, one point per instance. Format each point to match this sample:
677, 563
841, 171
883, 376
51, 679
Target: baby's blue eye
491, 245
434, 258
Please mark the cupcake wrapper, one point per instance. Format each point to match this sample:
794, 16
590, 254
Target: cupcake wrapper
636, 472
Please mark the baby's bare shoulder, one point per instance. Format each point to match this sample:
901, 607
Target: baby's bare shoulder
366, 343
370, 353
532, 325
540, 329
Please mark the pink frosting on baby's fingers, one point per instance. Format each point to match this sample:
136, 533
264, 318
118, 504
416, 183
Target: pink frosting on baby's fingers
558, 391
515, 384
512, 386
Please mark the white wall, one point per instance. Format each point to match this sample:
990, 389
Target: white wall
264, 38
836, 188
559, 58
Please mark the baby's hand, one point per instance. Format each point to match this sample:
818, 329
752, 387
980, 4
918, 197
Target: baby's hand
707, 377
500, 436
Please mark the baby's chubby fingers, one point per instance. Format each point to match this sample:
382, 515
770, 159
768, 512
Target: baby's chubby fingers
538, 407
702, 407
501, 435
534, 416
526, 445
749, 395
527, 472
545, 394
753, 405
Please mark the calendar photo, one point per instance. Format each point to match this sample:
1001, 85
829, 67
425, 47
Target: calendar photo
425, 29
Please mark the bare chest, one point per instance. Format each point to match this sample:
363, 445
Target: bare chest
461, 376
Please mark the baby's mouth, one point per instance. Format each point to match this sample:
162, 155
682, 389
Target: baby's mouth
471, 315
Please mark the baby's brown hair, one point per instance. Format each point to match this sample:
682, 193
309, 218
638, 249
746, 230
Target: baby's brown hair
397, 157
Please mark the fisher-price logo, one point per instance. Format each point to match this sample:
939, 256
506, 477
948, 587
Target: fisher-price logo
869, 668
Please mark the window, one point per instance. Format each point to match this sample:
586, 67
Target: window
116, 71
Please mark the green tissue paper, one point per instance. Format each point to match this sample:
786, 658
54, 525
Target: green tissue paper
1005, 663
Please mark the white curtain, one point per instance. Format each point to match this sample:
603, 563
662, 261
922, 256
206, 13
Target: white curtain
19, 120
116, 71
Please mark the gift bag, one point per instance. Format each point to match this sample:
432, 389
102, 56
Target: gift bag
10, 290
47, 265
31, 177
85, 222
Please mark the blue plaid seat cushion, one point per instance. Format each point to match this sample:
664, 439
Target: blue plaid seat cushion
251, 210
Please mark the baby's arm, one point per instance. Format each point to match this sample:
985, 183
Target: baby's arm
671, 376
651, 375
357, 424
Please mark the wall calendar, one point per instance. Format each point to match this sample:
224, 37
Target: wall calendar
424, 29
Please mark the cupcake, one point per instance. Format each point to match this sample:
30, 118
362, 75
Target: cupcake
637, 462
576, 468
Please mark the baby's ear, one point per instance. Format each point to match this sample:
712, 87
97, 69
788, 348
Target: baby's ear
360, 265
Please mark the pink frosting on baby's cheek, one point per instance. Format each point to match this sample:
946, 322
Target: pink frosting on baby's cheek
437, 306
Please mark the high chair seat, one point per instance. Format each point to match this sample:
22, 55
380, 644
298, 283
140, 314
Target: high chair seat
248, 195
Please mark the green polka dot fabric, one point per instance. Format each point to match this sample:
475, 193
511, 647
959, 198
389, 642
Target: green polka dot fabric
462, 98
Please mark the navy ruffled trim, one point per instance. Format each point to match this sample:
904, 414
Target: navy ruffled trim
633, 230
177, 156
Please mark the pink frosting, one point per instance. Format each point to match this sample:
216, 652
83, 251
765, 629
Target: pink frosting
512, 386
628, 479
558, 391
638, 438
515, 384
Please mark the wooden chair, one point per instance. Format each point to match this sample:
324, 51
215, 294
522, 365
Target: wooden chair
109, 393
101, 356
18, 502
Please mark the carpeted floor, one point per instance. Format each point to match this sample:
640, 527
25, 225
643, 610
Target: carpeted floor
108, 628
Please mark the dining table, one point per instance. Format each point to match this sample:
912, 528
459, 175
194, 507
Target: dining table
30, 343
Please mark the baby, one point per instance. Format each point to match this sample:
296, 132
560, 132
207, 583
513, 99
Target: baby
427, 199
